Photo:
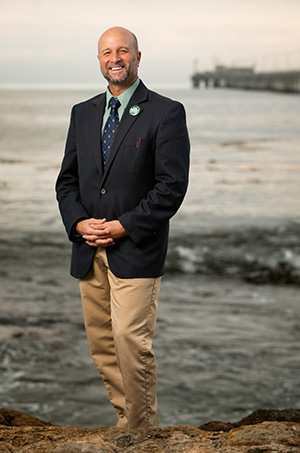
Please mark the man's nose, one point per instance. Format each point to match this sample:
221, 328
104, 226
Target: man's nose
115, 57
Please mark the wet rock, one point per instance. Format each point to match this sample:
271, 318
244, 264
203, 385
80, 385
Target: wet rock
264, 431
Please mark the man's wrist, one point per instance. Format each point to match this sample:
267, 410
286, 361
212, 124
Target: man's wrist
75, 233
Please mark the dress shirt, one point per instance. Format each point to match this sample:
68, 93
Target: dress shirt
124, 98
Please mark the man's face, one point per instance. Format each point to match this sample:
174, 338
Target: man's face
119, 57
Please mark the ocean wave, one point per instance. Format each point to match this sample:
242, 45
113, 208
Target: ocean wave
270, 254
258, 255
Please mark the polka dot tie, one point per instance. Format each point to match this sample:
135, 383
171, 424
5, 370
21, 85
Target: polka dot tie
110, 129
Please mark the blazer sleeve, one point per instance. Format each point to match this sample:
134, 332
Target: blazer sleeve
67, 185
171, 177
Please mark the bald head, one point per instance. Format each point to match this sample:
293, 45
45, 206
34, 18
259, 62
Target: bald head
119, 58
119, 31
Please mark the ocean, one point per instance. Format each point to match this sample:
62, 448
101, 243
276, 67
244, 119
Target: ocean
224, 345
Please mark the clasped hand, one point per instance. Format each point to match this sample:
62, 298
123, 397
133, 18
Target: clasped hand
99, 232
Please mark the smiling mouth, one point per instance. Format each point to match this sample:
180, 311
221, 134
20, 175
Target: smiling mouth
117, 68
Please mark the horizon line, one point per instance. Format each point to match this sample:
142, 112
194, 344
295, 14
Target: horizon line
81, 86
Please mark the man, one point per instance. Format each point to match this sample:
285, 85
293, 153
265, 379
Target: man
123, 176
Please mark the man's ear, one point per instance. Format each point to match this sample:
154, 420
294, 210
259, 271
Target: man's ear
139, 56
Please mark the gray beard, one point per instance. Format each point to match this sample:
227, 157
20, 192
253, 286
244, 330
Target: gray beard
110, 79
128, 74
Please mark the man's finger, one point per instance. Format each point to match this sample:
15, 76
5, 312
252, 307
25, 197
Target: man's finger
97, 223
97, 232
104, 242
98, 227
92, 244
90, 237
100, 242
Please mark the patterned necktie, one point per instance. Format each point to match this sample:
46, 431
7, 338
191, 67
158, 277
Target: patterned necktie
110, 129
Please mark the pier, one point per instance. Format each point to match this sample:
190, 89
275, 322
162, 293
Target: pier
247, 78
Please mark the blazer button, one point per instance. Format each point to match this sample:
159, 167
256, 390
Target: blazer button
103, 191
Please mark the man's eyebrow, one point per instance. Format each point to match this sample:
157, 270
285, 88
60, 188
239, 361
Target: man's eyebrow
109, 49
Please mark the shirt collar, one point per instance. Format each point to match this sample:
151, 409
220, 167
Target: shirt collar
123, 97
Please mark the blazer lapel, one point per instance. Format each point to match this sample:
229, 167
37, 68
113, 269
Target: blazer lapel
96, 115
140, 95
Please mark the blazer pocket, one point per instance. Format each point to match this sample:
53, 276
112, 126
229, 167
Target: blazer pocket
137, 143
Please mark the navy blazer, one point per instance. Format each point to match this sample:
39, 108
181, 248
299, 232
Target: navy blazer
143, 185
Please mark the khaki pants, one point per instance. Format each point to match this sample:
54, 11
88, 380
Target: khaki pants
120, 317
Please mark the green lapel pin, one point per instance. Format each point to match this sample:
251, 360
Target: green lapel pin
134, 110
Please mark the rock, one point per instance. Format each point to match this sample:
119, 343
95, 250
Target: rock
266, 436
274, 276
264, 431
270, 415
216, 426
259, 416
6, 448
10, 417
84, 447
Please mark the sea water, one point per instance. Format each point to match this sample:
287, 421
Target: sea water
224, 347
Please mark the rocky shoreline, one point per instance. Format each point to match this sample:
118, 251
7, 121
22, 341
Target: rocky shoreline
265, 431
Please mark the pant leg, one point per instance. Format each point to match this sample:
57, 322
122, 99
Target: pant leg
133, 313
95, 295
120, 317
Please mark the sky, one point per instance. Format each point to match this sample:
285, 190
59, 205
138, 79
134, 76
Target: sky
55, 41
